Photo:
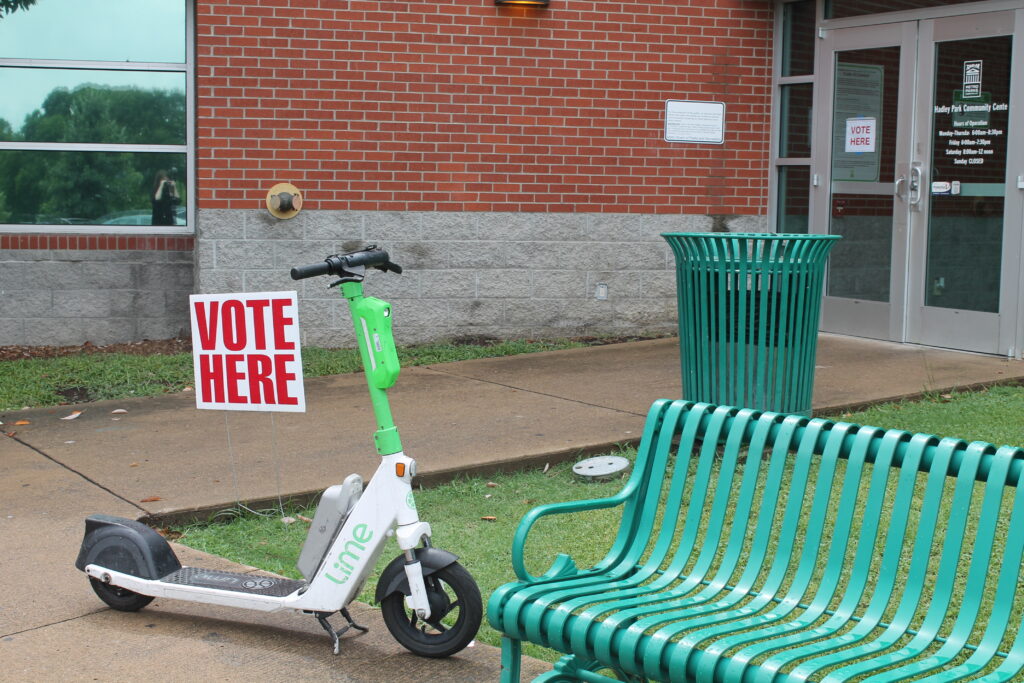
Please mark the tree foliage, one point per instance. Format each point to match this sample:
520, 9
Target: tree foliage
75, 186
8, 6
123, 115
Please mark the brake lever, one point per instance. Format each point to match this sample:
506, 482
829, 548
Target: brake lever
388, 265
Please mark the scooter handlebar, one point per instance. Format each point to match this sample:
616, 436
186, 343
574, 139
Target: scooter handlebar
371, 258
312, 270
340, 264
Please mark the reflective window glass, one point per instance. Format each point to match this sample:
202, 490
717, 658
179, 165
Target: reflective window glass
82, 105
101, 30
837, 9
860, 264
864, 81
970, 153
91, 188
798, 38
796, 103
794, 199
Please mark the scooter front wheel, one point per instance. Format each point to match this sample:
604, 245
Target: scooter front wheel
119, 598
455, 613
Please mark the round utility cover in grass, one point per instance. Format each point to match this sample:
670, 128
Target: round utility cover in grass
601, 468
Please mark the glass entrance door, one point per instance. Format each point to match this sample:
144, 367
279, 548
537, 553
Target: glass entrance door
870, 78
920, 124
965, 265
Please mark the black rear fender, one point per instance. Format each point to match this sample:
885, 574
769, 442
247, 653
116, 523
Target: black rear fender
126, 546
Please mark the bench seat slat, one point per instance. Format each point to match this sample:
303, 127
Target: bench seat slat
787, 636
911, 601
765, 547
872, 616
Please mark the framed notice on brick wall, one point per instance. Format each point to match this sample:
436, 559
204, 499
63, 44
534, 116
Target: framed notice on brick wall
693, 121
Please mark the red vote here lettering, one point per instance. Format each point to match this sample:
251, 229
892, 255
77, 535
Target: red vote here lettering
246, 378
226, 322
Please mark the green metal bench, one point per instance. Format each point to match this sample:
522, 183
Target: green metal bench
765, 547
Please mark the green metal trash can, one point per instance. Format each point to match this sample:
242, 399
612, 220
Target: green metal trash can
748, 316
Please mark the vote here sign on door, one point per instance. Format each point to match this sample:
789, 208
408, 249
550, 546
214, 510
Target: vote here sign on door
246, 351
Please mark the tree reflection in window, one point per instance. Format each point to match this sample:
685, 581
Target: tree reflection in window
84, 128
104, 114
83, 188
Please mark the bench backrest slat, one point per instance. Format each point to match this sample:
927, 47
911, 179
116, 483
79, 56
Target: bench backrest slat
893, 534
761, 546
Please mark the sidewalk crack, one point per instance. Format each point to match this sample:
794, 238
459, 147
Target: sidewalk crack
12, 634
80, 474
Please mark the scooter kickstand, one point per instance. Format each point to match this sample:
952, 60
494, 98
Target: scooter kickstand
336, 635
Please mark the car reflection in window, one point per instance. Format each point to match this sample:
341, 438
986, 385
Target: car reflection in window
138, 217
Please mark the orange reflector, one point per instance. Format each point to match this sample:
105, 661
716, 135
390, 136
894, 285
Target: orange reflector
400, 469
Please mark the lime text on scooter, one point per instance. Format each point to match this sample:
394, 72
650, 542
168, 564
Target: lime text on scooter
353, 549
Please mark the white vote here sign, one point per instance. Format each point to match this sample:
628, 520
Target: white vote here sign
861, 133
246, 352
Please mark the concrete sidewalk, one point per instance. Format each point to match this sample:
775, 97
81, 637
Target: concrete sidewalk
480, 415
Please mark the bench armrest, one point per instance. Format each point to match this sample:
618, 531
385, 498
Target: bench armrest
563, 564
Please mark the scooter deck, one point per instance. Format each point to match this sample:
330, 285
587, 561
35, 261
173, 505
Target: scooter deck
252, 584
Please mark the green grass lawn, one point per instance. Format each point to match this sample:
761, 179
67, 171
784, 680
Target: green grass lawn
40, 382
456, 510
995, 415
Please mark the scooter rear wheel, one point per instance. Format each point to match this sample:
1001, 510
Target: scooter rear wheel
455, 613
119, 598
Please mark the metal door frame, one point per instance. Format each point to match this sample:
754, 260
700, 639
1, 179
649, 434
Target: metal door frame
857, 317
905, 318
953, 328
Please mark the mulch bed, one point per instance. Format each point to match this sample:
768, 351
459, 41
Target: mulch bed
151, 347
147, 347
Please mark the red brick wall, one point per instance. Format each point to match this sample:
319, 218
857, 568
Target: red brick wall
458, 105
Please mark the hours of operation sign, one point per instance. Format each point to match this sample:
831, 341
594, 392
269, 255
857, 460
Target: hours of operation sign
694, 121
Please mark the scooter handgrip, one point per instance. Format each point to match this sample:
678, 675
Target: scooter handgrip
312, 270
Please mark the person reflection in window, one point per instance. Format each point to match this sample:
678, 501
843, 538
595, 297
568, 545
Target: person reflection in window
165, 198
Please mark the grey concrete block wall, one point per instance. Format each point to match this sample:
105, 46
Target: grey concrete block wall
67, 297
466, 273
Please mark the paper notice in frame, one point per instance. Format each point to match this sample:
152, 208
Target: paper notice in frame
694, 121
857, 117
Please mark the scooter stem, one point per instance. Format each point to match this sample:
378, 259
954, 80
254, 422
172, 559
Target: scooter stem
371, 318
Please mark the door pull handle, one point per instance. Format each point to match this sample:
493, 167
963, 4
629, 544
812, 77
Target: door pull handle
916, 181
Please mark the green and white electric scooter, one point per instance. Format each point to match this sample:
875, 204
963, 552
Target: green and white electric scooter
429, 602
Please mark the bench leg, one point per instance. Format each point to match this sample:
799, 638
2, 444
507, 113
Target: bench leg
572, 669
567, 670
511, 655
